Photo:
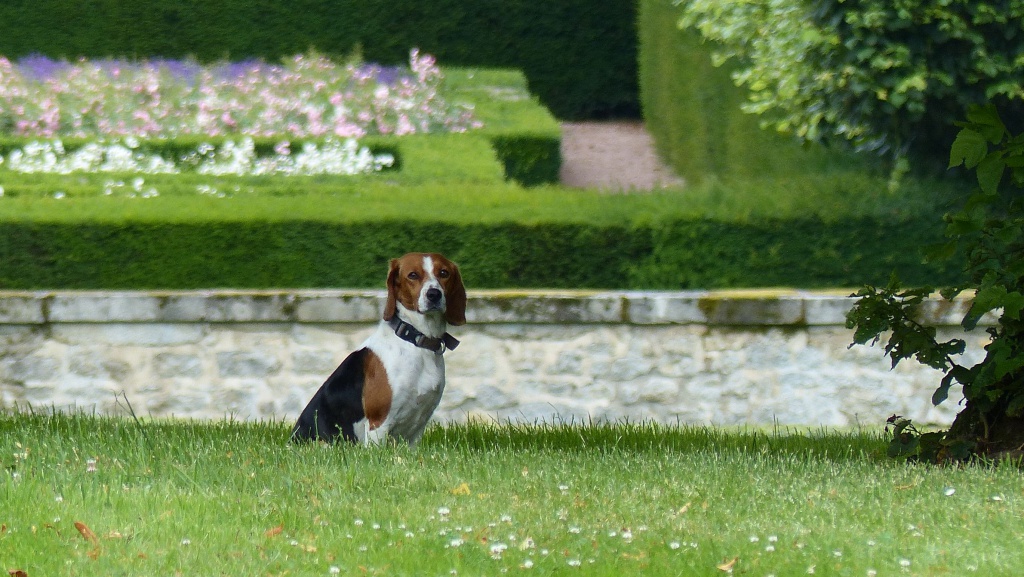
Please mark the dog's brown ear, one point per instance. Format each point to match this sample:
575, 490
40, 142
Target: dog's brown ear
455, 310
392, 305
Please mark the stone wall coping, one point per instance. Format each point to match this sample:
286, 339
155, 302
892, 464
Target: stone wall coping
763, 307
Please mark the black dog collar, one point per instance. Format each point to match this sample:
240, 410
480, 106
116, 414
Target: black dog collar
411, 334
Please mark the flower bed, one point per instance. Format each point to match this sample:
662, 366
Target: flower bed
306, 96
241, 159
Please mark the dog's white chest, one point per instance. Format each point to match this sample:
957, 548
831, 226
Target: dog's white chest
416, 377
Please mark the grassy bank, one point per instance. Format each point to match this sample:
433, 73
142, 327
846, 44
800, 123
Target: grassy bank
99, 496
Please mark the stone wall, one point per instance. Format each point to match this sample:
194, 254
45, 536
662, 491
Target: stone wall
708, 358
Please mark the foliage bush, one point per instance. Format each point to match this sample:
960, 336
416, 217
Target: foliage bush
580, 55
985, 238
884, 75
694, 111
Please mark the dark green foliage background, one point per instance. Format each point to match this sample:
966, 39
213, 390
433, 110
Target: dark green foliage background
692, 109
579, 55
677, 254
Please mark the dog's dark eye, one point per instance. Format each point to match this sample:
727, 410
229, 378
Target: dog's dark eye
414, 276
444, 273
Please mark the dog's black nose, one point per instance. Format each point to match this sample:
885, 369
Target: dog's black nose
434, 295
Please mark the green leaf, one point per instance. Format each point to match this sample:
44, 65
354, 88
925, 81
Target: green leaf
942, 393
969, 148
965, 224
1013, 303
985, 119
990, 172
986, 299
903, 446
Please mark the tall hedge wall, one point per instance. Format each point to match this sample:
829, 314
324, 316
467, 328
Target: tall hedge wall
579, 55
692, 109
675, 254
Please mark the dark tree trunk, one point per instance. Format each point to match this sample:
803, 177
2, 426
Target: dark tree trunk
993, 433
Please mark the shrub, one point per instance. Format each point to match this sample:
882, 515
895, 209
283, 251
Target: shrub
694, 111
180, 243
884, 75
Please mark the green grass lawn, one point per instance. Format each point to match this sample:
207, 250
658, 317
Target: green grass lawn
228, 498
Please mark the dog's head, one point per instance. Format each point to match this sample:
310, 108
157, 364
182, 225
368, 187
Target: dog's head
426, 283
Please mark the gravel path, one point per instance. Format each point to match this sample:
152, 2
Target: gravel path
614, 156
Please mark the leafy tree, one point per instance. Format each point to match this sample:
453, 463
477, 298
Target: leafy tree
885, 75
988, 234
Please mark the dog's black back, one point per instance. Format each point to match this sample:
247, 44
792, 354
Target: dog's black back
337, 406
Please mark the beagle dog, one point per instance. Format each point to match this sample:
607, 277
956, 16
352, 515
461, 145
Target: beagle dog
392, 384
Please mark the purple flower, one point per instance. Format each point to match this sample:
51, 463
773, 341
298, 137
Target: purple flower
304, 96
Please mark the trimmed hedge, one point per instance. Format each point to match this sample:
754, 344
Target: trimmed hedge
529, 160
579, 55
678, 254
692, 110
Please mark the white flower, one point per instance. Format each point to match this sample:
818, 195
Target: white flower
497, 549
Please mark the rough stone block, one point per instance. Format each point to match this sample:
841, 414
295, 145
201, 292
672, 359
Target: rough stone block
172, 365
753, 310
558, 308
103, 307
21, 308
96, 365
568, 363
335, 307
315, 362
491, 398
651, 390
826, 310
247, 364
124, 334
31, 368
665, 308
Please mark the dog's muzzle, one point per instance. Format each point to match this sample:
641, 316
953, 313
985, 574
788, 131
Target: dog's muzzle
433, 299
